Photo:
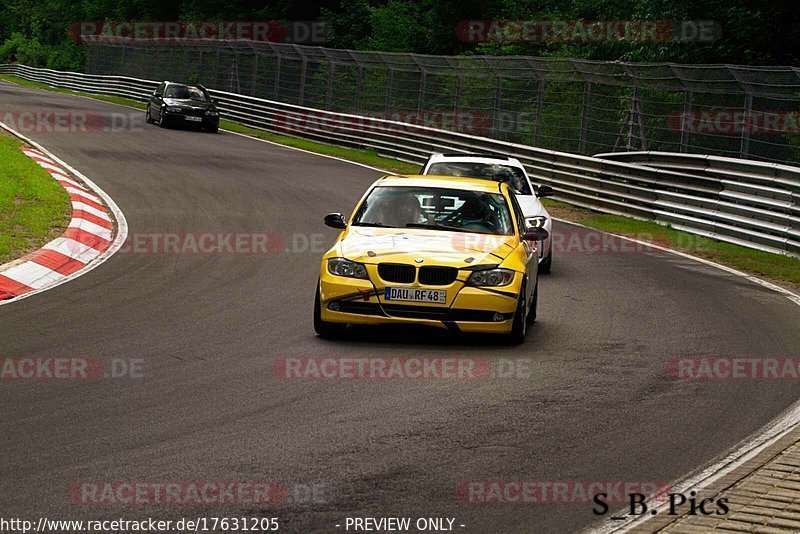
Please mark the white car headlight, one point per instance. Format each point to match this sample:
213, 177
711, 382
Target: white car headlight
173, 109
536, 222
347, 268
212, 112
491, 277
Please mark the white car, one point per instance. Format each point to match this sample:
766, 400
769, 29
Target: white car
502, 168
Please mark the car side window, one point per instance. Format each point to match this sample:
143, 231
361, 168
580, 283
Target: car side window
517, 212
160, 90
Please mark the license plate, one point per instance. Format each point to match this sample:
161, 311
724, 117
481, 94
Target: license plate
194, 119
410, 294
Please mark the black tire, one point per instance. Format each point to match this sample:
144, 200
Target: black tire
162, 121
212, 129
547, 262
147, 118
325, 329
531, 318
520, 325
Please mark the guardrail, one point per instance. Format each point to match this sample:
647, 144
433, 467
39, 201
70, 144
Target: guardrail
748, 203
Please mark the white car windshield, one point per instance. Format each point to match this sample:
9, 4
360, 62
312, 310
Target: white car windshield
490, 171
436, 208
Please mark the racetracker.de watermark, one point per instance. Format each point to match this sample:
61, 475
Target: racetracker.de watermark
584, 241
402, 121
72, 121
187, 31
488, 492
734, 122
583, 31
400, 368
44, 368
196, 492
222, 243
730, 368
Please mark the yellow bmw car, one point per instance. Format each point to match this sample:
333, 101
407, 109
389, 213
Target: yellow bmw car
446, 252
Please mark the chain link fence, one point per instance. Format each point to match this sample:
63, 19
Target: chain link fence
577, 106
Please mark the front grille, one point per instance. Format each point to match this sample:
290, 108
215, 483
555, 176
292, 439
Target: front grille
393, 272
363, 308
439, 313
416, 312
437, 276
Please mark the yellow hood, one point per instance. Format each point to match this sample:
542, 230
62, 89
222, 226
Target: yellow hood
455, 249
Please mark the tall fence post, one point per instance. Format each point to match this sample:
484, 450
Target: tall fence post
744, 148
277, 86
537, 132
687, 111
255, 75
498, 87
359, 87
389, 83
587, 91
329, 90
457, 99
302, 94
422, 89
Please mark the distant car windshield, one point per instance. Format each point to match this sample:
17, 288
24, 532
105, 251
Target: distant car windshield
436, 208
184, 92
491, 171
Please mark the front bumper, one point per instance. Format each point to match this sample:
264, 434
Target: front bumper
180, 118
468, 309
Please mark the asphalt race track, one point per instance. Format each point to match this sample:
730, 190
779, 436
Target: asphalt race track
598, 404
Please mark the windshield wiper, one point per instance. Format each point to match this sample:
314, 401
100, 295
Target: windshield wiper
373, 225
439, 227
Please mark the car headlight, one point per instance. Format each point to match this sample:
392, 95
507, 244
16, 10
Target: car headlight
491, 277
212, 112
536, 222
347, 268
173, 109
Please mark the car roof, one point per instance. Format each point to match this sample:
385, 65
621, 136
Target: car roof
184, 84
498, 159
450, 182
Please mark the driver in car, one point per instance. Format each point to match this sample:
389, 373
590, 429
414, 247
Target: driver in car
476, 215
402, 210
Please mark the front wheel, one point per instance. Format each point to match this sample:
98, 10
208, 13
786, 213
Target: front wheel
534, 301
211, 129
547, 262
520, 325
325, 329
147, 118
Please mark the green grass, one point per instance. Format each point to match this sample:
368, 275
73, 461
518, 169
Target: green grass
784, 270
367, 157
34, 208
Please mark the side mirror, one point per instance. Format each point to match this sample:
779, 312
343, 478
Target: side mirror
335, 220
535, 234
545, 191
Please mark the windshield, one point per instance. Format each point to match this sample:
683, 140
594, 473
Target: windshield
183, 92
437, 209
491, 171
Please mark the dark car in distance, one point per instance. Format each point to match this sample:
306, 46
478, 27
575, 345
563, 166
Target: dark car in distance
174, 104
